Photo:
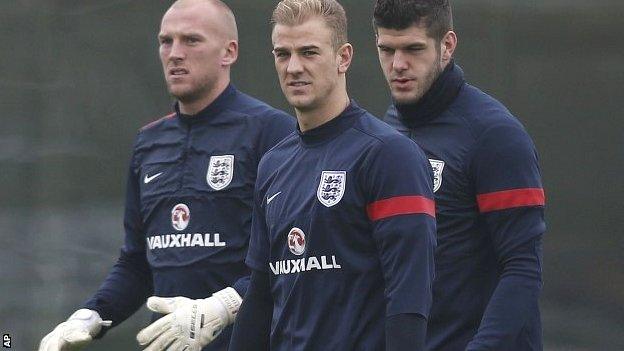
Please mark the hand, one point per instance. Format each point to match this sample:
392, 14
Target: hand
189, 324
75, 333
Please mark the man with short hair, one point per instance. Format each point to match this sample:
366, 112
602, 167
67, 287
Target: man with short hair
189, 195
343, 230
488, 191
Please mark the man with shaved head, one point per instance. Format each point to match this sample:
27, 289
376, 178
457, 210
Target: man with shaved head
189, 196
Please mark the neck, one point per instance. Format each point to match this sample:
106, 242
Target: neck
444, 64
310, 119
440, 95
196, 105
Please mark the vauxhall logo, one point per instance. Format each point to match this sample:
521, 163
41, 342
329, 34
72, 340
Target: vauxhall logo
180, 218
184, 240
296, 242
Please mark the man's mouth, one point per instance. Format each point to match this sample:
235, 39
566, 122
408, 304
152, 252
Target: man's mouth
401, 80
178, 71
297, 83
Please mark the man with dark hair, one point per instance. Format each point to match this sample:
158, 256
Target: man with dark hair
189, 196
488, 191
343, 230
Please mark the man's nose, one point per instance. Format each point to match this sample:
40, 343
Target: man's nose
399, 61
294, 65
177, 52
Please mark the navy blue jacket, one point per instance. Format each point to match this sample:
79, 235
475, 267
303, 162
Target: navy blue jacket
189, 203
490, 217
344, 225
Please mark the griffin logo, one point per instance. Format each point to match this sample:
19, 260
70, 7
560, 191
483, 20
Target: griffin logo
180, 217
296, 241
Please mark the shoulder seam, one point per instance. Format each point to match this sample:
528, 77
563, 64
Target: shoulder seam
153, 123
278, 144
359, 129
369, 134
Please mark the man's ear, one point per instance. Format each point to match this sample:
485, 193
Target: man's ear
447, 46
345, 55
231, 53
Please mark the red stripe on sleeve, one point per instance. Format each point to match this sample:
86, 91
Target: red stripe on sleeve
502, 200
400, 205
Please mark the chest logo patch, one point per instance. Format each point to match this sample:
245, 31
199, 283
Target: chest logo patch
220, 171
438, 167
296, 241
331, 187
180, 216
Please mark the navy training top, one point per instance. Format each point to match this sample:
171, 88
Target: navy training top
344, 225
188, 205
490, 217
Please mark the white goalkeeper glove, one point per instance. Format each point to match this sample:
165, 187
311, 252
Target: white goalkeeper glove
189, 324
75, 333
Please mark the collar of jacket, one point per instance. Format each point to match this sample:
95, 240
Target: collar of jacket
437, 99
332, 128
217, 106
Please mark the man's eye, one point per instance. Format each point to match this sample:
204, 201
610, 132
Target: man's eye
280, 54
385, 49
192, 40
164, 41
309, 53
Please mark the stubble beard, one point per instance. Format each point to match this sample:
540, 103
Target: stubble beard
194, 92
318, 99
423, 87
302, 102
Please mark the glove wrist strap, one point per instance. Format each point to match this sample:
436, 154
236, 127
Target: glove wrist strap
230, 300
91, 319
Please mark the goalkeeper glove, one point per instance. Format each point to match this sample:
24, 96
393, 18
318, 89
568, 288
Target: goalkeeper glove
75, 333
189, 324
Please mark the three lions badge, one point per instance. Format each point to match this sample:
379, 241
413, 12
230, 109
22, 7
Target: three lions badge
438, 167
220, 171
331, 187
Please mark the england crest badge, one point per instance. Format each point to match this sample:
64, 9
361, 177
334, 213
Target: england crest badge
437, 167
220, 171
331, 187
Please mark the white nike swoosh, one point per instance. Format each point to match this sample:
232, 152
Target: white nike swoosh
149, 179
269, 199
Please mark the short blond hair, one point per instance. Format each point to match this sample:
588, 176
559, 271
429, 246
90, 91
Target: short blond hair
295, 12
